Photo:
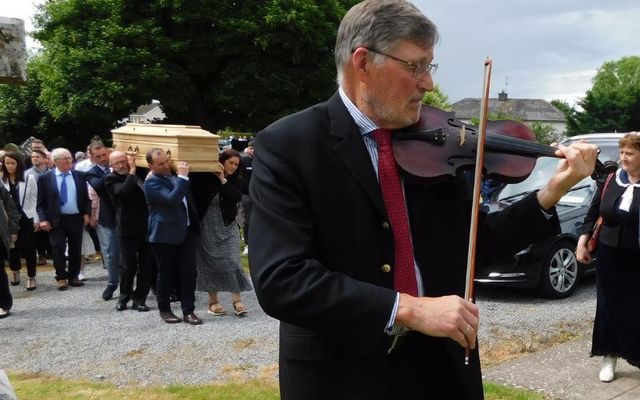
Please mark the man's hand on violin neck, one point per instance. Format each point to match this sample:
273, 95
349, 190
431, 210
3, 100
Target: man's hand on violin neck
448, 316
578, 163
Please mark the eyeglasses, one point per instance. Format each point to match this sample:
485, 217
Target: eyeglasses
418, 70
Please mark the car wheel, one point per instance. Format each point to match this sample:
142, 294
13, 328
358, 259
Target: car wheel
560, 272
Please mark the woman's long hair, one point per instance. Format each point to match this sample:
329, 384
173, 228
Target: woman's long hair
227, 154
17, 157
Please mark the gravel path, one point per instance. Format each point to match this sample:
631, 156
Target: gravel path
75, 334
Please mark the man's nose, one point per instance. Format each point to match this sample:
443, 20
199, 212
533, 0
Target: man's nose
425, 82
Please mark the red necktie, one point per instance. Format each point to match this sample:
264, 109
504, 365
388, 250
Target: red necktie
404, 274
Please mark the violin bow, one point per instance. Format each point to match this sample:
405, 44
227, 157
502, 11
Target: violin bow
477, 186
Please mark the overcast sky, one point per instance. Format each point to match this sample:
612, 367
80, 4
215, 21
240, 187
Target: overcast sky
547, 49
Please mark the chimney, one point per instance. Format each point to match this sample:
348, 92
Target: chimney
502, 96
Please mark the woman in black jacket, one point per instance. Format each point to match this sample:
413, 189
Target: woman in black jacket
9, 219
617, 322
218, 252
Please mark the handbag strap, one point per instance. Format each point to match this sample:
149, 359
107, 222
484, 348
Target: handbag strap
600, 220
606, 185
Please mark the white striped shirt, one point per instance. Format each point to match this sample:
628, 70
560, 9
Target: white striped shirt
366, 127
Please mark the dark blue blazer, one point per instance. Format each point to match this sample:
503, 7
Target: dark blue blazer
167, 214
49, 198
95, 176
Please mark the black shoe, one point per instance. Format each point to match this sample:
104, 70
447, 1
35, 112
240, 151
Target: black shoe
192, 319
76, 282
140, 307
108, 292
169, 317
121, 306
174, 298
15, 278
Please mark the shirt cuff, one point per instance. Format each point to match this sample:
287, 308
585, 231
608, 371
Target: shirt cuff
389, 328
546, 214
186, 178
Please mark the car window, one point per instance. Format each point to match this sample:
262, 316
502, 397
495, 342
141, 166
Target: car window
543, 171
608, 152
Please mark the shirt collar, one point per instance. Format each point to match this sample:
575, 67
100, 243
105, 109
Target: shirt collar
364, 123
58, 172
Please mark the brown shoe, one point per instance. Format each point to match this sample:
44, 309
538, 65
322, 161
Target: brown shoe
192, 319
169, 317
216, 309
63, 284
42, 261
76, 282
239, 308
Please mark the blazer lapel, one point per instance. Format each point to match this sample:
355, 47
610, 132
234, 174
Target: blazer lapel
352, 151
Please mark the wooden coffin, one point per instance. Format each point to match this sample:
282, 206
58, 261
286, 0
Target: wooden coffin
188, 143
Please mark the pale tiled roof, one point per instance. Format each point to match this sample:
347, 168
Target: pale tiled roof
522, 109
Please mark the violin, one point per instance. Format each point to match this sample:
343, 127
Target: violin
440, 146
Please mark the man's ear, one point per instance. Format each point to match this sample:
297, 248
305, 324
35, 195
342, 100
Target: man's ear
361, 64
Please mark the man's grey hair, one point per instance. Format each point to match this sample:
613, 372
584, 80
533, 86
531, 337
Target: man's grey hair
60, 152
381, 25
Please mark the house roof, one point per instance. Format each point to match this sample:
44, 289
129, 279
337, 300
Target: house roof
523, 109
145, 108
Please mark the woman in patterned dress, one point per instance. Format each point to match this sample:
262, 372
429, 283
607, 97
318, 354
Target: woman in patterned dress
218, 252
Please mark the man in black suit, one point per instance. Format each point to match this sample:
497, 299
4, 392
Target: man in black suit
368, 278
106, 224
246, 165
173, 231
64, 209
126, 192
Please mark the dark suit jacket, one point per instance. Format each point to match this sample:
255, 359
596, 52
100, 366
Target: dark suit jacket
126, 193
319, 208
96, 177
49, 197
616, 230
167, 214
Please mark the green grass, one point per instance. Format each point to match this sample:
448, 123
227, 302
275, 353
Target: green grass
494, 391
38, 386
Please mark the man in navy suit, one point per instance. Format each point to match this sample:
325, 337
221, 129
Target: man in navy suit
64, 209
106, 227
173, 229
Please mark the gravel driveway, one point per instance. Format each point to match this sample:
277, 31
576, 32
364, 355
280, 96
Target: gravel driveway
75, 334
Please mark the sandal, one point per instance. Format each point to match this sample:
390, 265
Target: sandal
15, 278
31, 284
216, 309
239, 308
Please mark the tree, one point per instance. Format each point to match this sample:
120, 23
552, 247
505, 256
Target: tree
237, 64
569, 114
22, 116
613, 102
544, 133
437, 98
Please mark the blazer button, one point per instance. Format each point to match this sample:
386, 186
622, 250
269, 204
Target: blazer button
386, 268
385, 226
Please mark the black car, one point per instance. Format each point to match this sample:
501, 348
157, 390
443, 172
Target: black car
550, 266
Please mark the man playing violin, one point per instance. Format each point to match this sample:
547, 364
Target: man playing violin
365, 268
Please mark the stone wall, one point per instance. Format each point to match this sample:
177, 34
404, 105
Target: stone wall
13, 51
